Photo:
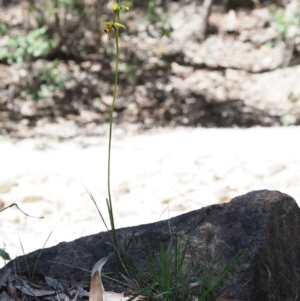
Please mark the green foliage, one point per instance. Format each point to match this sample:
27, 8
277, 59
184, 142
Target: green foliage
31, 274
21, 48
68, 22
3, 28
158, 17
212, 285
50, 11
151, 12
167, 277
4, 254
50, 80
285, 20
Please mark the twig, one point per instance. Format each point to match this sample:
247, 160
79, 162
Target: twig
14, 204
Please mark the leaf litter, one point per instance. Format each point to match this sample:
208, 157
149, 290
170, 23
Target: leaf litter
17, 288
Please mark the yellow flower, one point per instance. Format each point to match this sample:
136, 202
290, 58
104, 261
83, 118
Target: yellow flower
110, 25
116, 7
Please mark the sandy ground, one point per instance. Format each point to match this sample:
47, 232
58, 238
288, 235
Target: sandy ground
155, 175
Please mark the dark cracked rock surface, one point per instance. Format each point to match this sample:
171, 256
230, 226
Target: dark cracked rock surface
264, 225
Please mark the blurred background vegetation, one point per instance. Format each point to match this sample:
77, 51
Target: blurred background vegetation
56, 63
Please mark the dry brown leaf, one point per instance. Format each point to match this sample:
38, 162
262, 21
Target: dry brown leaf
96, 288
110, 296
97, 292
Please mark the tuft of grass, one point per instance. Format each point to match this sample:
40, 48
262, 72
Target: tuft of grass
31, 274
212, 286
170, 281
167, 278
273, 294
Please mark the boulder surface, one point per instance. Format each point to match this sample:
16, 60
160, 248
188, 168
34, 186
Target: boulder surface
264, 225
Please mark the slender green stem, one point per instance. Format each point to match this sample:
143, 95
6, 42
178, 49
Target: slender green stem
111, 124
119, 260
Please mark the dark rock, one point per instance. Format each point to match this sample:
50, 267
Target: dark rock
264, 224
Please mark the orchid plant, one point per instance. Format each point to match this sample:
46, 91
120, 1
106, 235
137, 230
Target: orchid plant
111, 26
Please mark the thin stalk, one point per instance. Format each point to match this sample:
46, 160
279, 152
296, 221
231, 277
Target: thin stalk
113, 26
111, 128
25, 258
118, 257
40, 254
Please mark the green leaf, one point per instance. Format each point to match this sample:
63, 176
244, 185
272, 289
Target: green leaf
119, 25
4, 254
